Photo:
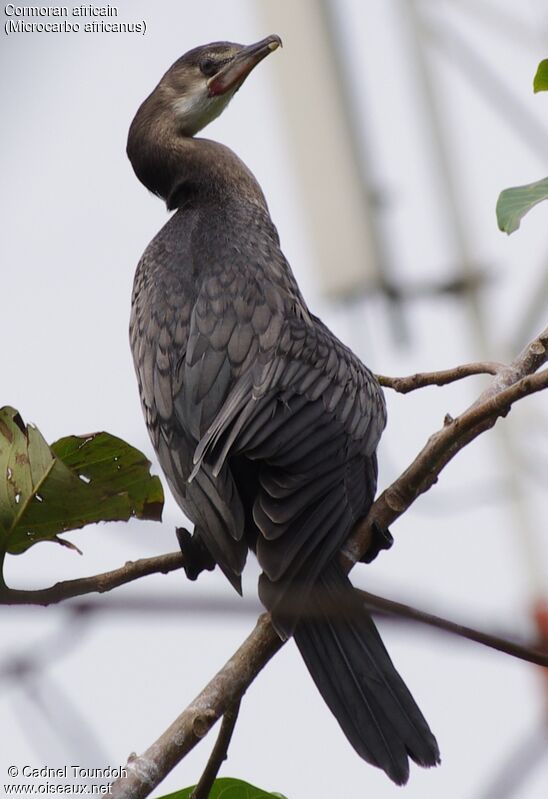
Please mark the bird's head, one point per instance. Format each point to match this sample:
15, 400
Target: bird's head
193, 92
202, 82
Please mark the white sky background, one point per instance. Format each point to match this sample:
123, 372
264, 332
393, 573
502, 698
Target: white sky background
75, 221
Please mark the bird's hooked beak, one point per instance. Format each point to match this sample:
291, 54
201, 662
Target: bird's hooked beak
233, 74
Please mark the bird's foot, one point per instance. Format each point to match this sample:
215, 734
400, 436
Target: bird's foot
381, 539
196, 558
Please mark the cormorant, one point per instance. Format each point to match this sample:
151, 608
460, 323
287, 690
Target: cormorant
264, 423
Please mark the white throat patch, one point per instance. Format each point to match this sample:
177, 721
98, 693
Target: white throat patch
197, 109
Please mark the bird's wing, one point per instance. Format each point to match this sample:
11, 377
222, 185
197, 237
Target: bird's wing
265, 380
159, 331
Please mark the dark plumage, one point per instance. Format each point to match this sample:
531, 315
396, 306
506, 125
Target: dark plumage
264, 423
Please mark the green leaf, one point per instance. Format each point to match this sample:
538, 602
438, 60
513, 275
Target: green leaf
540, 81
513, 204
228, 788
79, 480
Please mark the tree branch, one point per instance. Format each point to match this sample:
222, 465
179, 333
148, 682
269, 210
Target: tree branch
98, 583
530, 359
403, 385
227, 686
398, 609
218, 755
510, 384
440, 448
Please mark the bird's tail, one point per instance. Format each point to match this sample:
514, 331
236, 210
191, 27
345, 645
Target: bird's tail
353, 672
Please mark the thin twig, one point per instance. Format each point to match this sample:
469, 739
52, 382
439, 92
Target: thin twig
403, 385
398, 609
98, 583
219, 753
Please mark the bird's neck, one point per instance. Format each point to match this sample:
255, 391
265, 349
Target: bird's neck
181, 168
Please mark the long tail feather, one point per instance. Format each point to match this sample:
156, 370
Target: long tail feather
354, 674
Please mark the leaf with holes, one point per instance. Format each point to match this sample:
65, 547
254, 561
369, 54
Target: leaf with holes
514, 203
79, 480
228, 788
540, 81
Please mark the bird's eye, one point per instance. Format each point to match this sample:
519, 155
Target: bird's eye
208, 67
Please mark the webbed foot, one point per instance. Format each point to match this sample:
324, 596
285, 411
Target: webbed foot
196, 557
381, 539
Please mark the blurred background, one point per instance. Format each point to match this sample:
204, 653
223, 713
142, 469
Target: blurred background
381, 134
